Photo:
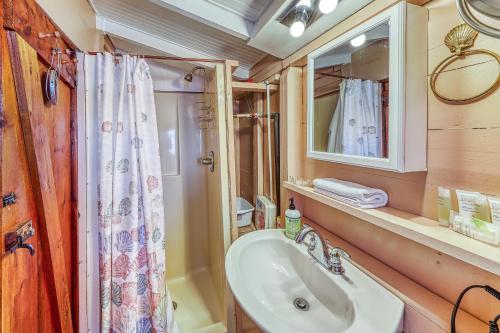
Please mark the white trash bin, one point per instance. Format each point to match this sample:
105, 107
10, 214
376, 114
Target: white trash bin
244, 211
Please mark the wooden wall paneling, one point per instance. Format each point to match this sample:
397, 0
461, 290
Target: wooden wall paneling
482, 114
80, 158
258, 103
245, 87
74, 215
265, 157
245, 139
236, 127
36, 137
415, 322
19, 271
291, 101
28, 19
463, 152
230, 148
268, 66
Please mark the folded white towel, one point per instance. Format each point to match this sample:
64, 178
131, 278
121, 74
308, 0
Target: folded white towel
351, 193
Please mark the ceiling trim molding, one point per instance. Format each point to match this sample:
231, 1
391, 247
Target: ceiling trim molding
126, 32
120, 30
212, 15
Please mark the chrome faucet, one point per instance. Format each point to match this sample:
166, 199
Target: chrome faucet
331, 255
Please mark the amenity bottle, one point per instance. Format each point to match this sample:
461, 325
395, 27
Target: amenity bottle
292, 221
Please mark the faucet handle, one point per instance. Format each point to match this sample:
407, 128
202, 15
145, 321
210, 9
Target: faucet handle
340, 252
311, 244
335, 262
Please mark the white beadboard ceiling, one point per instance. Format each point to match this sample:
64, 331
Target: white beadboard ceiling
250, 10
242, 30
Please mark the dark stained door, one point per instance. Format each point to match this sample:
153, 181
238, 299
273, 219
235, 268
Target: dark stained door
39, 293
20, 275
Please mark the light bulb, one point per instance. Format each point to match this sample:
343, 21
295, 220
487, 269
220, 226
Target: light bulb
328, 6
297, 28
358, 41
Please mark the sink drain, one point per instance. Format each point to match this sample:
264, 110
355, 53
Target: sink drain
301, 304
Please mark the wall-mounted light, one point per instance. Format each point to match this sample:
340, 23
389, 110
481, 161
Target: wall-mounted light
302, 13
358, 41
327, 6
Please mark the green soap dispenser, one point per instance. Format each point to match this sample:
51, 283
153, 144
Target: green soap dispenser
292, 221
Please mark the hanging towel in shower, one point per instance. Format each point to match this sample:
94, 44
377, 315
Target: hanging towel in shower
351, 193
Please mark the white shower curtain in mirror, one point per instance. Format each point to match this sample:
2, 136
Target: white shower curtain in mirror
356, 125
134, 295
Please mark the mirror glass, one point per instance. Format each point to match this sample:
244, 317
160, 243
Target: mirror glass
351, 96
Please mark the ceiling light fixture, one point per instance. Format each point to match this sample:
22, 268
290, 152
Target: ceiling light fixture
358, 41
327, 6
302, 13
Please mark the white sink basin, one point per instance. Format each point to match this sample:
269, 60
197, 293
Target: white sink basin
267, 272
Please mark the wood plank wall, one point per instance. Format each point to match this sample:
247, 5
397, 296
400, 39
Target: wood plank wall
265, 172
244, 140
463, 152
253, 179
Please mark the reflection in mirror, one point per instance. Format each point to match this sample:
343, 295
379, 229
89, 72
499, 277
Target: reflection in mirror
351, 96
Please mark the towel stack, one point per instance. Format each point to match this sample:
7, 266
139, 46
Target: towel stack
351, 193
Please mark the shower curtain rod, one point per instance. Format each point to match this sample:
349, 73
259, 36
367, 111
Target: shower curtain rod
161, 57
341, 76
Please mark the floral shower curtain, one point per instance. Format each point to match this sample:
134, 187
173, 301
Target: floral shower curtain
134, 295
356, 126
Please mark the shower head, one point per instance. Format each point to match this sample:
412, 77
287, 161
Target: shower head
189, 76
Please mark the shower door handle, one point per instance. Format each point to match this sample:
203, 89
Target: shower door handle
209, 160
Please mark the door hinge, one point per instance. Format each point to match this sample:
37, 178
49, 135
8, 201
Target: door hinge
9, 199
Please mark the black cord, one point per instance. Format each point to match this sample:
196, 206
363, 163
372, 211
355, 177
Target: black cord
493, 326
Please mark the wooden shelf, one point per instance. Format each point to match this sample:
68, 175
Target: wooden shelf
252, 87
417, 228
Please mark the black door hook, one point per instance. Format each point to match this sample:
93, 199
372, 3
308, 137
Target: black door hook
22, 245
18, 243
16, 240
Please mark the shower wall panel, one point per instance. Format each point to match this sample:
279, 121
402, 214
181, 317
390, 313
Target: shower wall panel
185, 191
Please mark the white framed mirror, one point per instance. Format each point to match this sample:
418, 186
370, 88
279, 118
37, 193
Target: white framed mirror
363, 89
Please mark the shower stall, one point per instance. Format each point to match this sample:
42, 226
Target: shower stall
191, 121
188, 125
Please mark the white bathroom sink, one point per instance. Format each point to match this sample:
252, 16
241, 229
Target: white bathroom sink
267, 272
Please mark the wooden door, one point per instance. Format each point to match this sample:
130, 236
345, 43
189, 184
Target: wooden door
19, 271
38, 165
